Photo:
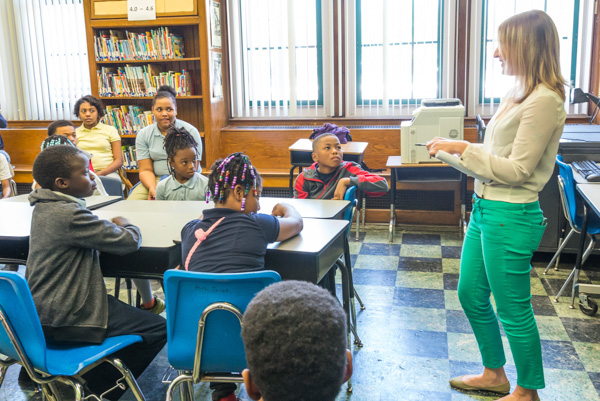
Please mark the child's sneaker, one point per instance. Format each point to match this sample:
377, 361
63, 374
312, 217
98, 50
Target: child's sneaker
159, 306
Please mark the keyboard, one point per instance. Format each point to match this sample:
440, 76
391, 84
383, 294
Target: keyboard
587, 169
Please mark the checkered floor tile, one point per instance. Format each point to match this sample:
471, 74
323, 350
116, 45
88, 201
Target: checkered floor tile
416, 335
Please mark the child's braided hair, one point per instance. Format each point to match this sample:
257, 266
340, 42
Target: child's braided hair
235, 169
177, 139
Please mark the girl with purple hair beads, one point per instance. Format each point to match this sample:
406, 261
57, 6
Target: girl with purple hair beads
233, 237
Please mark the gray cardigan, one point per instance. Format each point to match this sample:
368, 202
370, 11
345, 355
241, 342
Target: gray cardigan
63, 267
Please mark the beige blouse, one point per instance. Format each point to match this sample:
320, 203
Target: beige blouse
519, 149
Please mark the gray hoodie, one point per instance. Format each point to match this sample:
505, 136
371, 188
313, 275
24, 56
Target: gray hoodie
63, 267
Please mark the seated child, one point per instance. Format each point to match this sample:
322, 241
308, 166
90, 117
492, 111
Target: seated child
184, 183
232, 237
63, 268
5, 176
280, 366
62, 134
330, 176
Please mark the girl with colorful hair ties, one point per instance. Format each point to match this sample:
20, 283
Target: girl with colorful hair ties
233, 237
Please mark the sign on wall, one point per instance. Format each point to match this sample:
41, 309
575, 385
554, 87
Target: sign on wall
141, 10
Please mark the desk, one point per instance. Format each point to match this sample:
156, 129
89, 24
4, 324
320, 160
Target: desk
309, 208
15, 224
418, 173
590, 193
92, 202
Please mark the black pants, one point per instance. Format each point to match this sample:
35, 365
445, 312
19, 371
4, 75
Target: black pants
124, 319
221, 390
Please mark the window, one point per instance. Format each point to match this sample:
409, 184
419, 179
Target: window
572, 24
268, 78
380, 58
43, 58
398, 54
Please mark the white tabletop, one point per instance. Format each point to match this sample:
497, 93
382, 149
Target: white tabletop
159, 229
316, 235
92, 202
308, 208
591, 193
155, 206
15, 220
311, 208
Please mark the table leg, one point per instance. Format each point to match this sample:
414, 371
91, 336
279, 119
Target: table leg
292, 180
579, 261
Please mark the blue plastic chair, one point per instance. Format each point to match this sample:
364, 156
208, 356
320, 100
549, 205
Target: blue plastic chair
22, 341
204, 316
566, 186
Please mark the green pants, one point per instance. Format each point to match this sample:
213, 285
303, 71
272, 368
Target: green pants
496, 257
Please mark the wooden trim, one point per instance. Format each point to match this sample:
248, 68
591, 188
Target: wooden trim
123, 23
336, 61
462, 51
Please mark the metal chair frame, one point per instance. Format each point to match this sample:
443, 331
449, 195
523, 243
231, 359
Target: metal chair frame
46, 380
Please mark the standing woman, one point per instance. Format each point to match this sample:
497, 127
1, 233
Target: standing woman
100, 140
506, 223
149, 143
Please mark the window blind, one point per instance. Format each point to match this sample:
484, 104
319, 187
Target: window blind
43, 58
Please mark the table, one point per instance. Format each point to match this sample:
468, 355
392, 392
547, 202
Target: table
15, 224
92, 202
309, 208
590, 194
418, 173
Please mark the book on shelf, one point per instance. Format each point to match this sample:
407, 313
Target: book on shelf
128, 119
129, 157
155, 44
142, 81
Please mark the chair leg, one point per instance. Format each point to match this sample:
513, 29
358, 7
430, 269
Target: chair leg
357, 225
131, 382
3, 370
362, 305
575, 274
129, 291
117, 287
77, 389
50, 392
178, 380
562, 245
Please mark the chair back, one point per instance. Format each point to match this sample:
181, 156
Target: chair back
480, 124
112, 185
11, 181
350, 195
21, 320
188, 295
566, 187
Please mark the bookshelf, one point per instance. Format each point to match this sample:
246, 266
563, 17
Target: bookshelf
200, 108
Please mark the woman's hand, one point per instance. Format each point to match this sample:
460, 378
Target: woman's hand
152, 193
447, 145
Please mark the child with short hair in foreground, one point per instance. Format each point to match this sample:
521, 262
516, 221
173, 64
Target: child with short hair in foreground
184, 182
63, 269
295, 338
233, 237
329, 177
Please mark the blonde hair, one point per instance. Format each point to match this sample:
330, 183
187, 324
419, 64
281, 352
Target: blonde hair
529, 43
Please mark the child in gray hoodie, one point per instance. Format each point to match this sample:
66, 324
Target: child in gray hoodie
63, 268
